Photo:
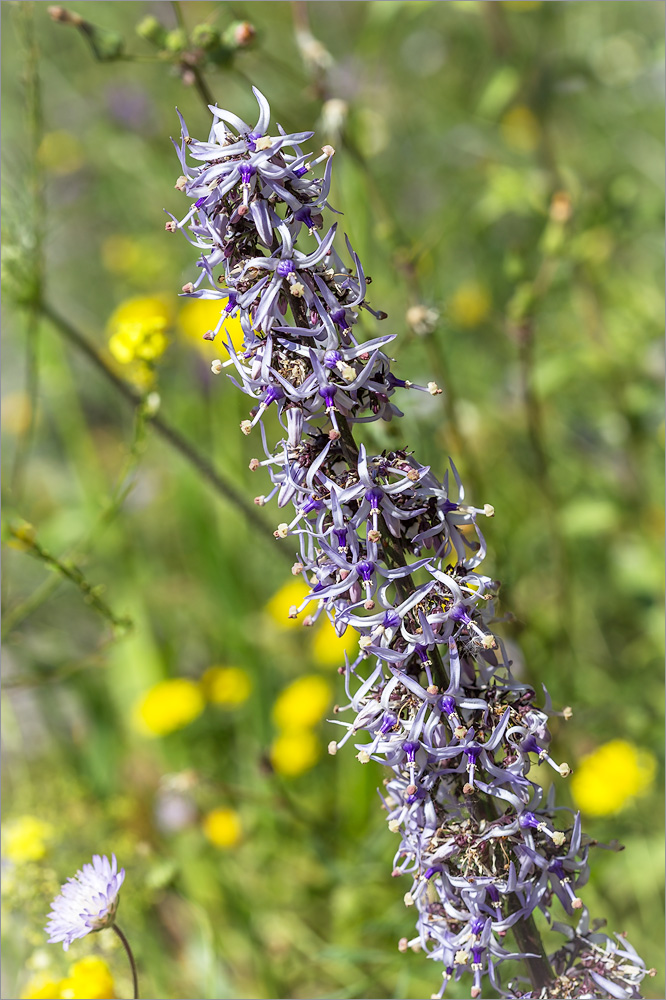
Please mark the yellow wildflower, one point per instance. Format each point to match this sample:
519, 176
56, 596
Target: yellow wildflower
89, 979
137, 330
226, 685
606, 780
222, 827
520, 129
42, 987
294, 752
197, 316
293, 592
470, 304
168, 706
23, 839
328, 649
60, 152
303, 703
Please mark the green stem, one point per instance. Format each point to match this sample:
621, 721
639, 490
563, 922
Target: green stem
70, 572
35, 219
164, 429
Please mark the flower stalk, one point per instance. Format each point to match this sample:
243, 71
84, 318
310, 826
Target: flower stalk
390, 550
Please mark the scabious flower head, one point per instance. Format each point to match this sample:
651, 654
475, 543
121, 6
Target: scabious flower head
87, 902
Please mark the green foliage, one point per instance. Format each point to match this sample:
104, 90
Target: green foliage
501, 165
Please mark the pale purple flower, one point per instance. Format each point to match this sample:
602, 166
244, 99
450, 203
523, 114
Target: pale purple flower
87, 902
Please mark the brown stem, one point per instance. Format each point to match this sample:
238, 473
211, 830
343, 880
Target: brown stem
126, 946
529, 942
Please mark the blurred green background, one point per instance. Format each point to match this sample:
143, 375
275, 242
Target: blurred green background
500, 169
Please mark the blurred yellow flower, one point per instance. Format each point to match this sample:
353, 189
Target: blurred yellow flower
197, 316
328, 649
60, 152
521, 4
137, 333
16, 412
294, 752
89, 979
302, 703
24, 839
168, 706
520, 129
226, 685
42, 987
222, 827
610, 776
470, 304
292, 592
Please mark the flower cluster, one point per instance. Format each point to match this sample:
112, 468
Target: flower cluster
386, 548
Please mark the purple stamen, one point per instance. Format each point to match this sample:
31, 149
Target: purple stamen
285, 267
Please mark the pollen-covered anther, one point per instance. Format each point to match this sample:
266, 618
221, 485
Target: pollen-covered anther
333, 435
413, 475
282, 530
489, 642
260, 501
460, 732
461, 957
411, 790
188, 288
374, 535
181, 183
348, 373
468, 789
369, 604
567, 712
264, 142
308, 621
403, 944
363, 757
576, 903
564, 769
246, 426
297, 568
293, 612
365, 641
475, 992
432, 689
332, 748
408, 899
434, 389
393, 826
328, 150
488, 510
254, 464
297, 289
170, 226
216, 367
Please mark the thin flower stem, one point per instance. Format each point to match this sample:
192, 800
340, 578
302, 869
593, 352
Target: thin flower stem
126, 946
164, 429
36, 220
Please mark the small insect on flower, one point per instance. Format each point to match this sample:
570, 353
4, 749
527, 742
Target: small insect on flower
87, 902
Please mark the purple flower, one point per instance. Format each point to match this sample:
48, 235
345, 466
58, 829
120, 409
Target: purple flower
87, 902
388, 549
